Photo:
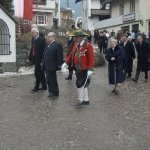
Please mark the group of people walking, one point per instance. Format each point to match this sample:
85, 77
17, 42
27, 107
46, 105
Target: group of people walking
120, 58
47, 57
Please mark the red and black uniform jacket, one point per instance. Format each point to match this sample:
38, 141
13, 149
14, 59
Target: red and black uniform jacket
82, 57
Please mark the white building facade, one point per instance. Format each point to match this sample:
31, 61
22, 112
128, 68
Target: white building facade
126, 15
45, 13
7, 37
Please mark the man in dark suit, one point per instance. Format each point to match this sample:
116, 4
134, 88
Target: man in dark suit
129, 52
142, 59
38, 46
104, 42
53, 59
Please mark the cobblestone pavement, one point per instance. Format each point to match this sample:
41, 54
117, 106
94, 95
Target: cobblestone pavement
111, 122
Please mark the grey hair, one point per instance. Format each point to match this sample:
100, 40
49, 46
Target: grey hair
113, 40
139, 37
34, 26
35, 30
53, 34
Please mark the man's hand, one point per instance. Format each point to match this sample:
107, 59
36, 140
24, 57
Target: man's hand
89, 73
113, 58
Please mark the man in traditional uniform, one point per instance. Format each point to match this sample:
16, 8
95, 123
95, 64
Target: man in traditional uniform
81, 59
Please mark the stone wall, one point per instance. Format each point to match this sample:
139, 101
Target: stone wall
22, 53
98, 57
22, 50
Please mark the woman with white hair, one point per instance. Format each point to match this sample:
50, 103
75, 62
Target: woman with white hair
114, 56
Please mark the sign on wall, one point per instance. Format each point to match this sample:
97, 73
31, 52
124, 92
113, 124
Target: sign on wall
128, 18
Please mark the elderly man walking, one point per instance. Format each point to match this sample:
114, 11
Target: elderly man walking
142, 59
53, 59
81, 59
36, 55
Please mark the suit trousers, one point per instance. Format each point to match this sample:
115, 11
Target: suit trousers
138, 70
52, 82
70, 70
39, 75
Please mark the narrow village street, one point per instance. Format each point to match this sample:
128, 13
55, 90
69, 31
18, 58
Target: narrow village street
32, 121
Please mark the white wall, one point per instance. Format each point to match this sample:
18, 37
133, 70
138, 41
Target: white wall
115, 9
144, 14
88, 22
12, 32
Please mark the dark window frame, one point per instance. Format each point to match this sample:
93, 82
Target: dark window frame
121, 8
132, 5
4, 39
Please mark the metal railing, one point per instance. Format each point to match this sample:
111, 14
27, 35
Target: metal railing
4, 44
100, 12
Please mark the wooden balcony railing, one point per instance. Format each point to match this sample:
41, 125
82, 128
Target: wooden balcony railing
99, 12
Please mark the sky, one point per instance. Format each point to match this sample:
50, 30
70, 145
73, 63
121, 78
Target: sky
76, 7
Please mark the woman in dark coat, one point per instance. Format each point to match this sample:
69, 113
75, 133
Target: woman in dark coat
142, 63
114, 56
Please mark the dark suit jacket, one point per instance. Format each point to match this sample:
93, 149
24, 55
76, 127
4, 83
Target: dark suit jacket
39, 46
129, 50
53, 57
143, 52
129, 56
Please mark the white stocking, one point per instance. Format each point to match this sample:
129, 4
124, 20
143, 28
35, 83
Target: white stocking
85, 94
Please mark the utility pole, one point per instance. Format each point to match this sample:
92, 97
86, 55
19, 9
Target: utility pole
67, 3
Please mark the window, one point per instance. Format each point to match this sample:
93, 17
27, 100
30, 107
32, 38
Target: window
39, 2
132, 5
135, 28
149, 29
125, 29
122, 9
4, 39
41, 19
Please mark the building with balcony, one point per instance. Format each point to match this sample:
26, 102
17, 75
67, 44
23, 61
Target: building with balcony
93, 12
66, 16
126, 15
45, 13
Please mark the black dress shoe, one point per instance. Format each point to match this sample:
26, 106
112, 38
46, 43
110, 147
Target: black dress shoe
79, 103
35, 89
43, 88
52, 95
85, 103
68, 78
146, 80
115, 91
135, 80
128, 76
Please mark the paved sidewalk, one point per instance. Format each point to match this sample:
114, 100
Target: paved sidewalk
111, 122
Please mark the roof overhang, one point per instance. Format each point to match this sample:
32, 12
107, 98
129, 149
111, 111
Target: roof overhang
78, 1
7, 13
